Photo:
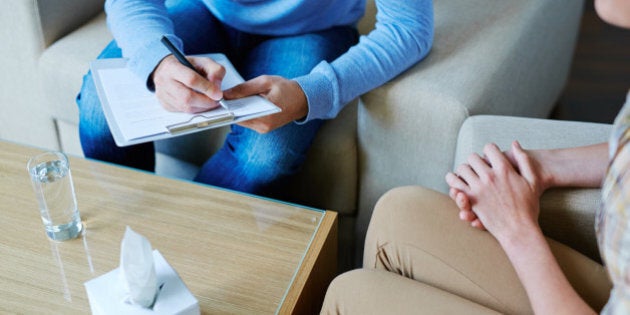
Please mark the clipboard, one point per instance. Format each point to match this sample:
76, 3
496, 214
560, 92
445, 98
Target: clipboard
199, 122
134, 115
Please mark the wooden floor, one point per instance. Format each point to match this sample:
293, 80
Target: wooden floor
600, 74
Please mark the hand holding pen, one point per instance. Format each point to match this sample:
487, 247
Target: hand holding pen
188, 87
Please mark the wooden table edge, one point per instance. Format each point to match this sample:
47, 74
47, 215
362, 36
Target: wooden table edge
318, 269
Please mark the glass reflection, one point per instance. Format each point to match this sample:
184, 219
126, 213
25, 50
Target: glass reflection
58, 259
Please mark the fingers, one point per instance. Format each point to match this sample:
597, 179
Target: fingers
255, 86
179, 88
478, 224
210, 85
479, 165
523, 162
465, 207
497, 159
456, 183
284, 93
467, 216
463, 201
452, 192
259, 125
263, 86
466, 213
471, 217
174, 96
467, 174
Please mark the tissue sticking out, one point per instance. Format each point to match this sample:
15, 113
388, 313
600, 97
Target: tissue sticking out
138, 269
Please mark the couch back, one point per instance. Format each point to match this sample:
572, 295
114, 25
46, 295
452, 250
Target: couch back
60, 17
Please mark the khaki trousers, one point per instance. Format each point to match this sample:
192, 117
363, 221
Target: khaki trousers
420, 258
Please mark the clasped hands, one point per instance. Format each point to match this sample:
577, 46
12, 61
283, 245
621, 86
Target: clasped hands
181, 89
499, 191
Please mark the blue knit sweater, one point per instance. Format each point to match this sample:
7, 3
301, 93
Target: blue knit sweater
403, 36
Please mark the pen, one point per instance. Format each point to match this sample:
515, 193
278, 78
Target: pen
180, 57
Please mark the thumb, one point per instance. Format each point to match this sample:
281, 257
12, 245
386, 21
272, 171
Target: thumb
255, 86
211, 89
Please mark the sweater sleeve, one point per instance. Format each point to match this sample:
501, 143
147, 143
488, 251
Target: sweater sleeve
138, 26
403, 36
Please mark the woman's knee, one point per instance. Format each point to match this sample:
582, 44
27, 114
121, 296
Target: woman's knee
399, 204
342, 294
399, 215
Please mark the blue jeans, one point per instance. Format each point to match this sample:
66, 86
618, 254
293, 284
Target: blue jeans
248, 161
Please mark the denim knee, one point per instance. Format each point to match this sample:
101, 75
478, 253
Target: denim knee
96, 139
259, 163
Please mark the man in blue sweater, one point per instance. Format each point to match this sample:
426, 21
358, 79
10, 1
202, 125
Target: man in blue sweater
302, 55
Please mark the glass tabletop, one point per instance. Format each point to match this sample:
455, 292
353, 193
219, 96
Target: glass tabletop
237, 254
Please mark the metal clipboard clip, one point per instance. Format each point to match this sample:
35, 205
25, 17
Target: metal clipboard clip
199, 122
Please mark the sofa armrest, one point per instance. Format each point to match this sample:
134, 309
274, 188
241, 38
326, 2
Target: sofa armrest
532, 133
567, 214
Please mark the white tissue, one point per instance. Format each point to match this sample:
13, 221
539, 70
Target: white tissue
137, 269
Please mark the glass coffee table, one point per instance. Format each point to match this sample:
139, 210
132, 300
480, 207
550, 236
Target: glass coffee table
238, 254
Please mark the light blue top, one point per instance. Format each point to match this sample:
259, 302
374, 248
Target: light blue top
403, 36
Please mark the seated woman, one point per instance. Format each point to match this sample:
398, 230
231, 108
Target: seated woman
419, 259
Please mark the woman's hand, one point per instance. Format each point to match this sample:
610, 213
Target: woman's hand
493, 195
503, 196
465, 208
541, 162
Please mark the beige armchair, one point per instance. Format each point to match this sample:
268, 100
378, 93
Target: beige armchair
489, 57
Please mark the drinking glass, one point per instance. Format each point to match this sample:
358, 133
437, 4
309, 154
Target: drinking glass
52, 182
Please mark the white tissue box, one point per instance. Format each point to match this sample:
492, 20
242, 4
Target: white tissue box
107, 297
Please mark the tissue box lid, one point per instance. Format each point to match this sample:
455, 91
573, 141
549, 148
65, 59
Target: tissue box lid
173, 297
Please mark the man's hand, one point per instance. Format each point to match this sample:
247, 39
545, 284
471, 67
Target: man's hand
180, 89
286, 94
